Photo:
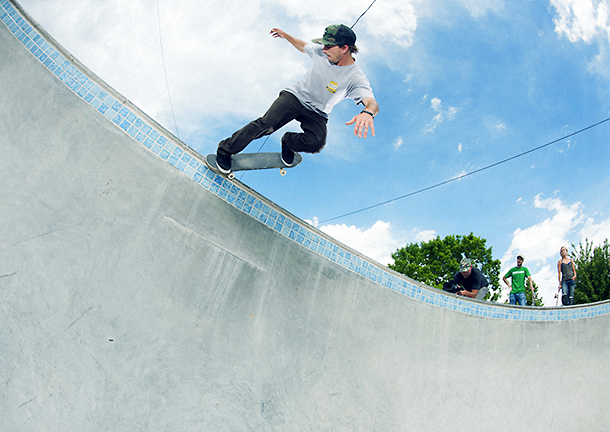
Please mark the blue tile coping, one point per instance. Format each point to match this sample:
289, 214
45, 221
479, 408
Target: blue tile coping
130, 120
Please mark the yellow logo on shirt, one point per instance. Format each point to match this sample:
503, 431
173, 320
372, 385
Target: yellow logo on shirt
332, 87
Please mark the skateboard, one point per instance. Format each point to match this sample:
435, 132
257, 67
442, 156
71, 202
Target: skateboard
557, 297
253, 161
534, 298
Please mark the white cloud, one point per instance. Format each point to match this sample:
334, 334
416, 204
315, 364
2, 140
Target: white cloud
394, 21
201, 51
460, 147
378, 242
548, 283
436, 105
596, 233
425, 236
587, 21
397, 143
437, 120
599, 65
451, 113
581, 20
461, 174
478, 8
543, 240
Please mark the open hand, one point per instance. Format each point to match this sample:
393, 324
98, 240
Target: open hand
362, 123
277, 33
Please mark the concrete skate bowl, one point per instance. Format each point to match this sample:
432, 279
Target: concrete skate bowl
142, 292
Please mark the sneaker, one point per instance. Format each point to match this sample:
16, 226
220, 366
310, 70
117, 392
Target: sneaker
223, 163
287, 156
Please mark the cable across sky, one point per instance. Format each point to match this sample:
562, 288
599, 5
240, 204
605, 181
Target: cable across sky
461, 176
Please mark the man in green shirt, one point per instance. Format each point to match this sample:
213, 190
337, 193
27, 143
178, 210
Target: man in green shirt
518, 275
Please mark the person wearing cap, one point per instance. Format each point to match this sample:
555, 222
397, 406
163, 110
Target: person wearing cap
333, 76
472, 281
517, 276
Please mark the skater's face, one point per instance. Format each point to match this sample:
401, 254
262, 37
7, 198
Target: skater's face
467, 272
519, 262
335, 53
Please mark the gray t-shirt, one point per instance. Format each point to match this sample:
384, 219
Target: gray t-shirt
326, 84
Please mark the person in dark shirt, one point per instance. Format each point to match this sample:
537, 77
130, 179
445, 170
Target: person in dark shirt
567, 277
472, 281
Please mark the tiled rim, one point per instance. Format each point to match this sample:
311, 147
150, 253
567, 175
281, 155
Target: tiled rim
148, 133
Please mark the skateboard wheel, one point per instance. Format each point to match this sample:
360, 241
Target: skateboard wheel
231, 176
282, 171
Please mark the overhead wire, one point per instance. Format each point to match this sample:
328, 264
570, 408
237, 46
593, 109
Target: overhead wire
363, 13
169, 96
258, 151
467, 174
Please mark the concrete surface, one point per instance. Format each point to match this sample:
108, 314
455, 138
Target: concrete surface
133, 299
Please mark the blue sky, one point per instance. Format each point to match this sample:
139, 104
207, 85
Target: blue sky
461, 85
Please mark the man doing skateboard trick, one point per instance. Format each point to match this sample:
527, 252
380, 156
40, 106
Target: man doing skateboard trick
334, 76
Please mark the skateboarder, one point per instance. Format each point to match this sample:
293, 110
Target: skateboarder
333, 76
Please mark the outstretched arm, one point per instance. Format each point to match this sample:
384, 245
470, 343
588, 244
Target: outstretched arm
364, 121
297, 43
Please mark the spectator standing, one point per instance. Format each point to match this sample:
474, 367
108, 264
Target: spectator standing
518, 275
567, 277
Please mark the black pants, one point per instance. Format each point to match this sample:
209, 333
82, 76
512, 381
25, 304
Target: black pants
285, 108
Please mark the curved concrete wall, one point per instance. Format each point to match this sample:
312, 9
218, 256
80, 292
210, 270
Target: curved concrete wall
140, 291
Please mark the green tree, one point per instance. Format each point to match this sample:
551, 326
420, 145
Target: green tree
528, 294
592, 272
438, 260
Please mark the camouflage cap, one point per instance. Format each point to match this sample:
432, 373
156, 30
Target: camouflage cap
465, 264
337, 34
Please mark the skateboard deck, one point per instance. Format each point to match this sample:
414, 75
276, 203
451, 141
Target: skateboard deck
253, 161
534, 298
